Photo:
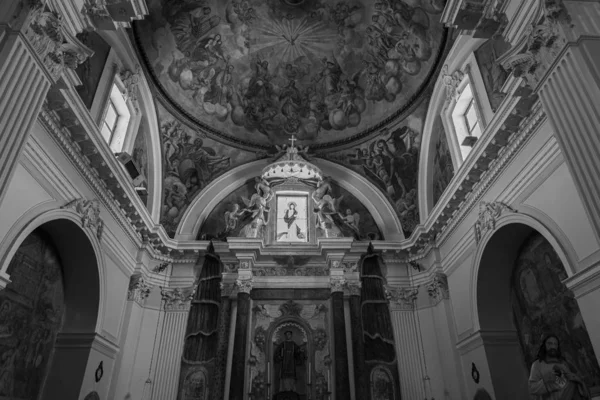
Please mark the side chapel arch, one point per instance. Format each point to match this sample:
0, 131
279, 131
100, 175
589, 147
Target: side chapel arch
492, 275
82, 271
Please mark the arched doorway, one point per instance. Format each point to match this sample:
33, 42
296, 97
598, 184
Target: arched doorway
54, 293
511, 304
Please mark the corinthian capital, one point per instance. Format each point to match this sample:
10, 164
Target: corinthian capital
244, 285
177, 299
138, 290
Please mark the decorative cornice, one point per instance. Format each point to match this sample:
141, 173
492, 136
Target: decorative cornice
244, 285
294, 271
488, 215
89, 210
438, 287
138, 290
405, 297
177, 299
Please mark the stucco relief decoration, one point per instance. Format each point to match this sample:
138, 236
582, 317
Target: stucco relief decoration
258, 71
231, 267
438, 287
405, 297
350, 266
53, 44
139, 289
451, 82
488, 215
290, 271
545, 40
177, 298
244, 285
130, 81
89, 210
245, 264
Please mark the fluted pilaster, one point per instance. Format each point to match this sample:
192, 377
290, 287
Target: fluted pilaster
409, 356
176, 306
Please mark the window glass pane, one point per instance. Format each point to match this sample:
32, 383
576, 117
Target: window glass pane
476, 131
111, 115
471, 116
106, 132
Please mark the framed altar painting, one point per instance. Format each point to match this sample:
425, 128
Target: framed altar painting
292, 218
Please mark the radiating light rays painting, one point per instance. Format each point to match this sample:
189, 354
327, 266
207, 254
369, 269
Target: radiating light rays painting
292, 39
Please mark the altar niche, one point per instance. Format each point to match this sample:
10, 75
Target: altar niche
289, 352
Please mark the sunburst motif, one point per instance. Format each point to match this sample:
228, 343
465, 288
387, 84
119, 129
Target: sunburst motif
295, 38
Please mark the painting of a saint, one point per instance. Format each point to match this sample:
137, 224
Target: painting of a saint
291, 219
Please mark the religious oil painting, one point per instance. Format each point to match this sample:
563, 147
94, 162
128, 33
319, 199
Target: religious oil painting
292, 223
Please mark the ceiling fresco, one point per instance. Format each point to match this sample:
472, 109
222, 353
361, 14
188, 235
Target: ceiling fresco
190, 162
391, 162
254, 72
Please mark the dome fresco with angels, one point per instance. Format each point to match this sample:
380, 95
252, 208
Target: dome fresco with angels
254, 72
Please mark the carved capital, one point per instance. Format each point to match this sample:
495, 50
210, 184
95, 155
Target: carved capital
138, 290
231, 267
488, 215
89, 210
404, 297
438, 287
227, 289
53, 44
177, 299
337, 284
244, 285
352, 288
350, 266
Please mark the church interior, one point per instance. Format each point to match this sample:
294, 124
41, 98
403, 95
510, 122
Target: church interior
298, 199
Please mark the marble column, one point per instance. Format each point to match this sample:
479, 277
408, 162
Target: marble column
570, 94
176, 303
342, 389
238, 385
137, 294
352, 288
361, 380
223, 346
35, 49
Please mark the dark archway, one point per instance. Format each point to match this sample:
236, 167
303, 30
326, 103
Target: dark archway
495, 300
55, 294
542, 305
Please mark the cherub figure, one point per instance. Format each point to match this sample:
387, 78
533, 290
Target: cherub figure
351, 220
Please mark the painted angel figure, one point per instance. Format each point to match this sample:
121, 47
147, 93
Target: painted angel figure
351, 220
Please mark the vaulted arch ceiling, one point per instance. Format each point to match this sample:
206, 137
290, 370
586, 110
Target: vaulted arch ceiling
350, 79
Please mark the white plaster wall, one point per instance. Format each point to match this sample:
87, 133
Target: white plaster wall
557, 198
459, 284
437, 385
24, 193
116, 296
143, 353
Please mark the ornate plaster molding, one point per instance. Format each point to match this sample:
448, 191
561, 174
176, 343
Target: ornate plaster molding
350, 266
405, 297
130, 81
53, 44
438, 287
246, 264
90, 214
337, 284
139, 289
488, 215
244, 285
540, 46
231, 267
177, 299
451, 81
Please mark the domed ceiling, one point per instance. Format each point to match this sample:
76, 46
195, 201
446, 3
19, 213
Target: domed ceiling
254, 72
